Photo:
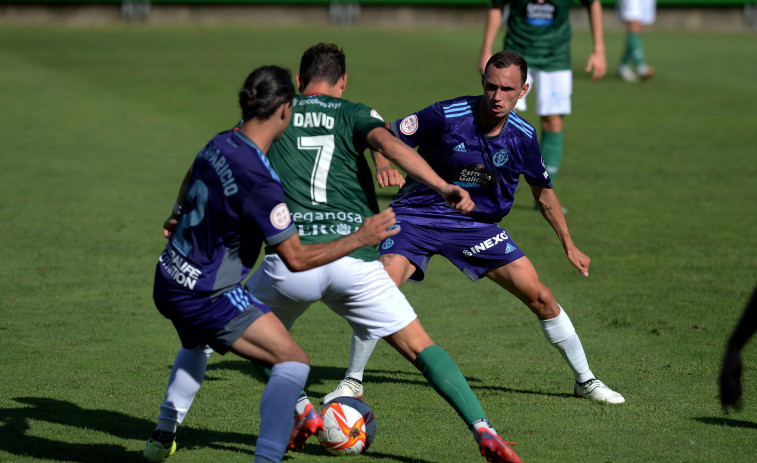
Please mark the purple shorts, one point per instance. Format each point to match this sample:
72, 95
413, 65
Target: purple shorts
474, 247
217, 322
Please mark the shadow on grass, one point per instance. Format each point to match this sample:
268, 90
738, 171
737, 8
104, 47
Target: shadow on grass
16, 439
330, 376
730, 422
15, 426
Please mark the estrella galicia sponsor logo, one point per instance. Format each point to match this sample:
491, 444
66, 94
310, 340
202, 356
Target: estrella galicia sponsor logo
477, 176
388, 243
500, 158
490, 243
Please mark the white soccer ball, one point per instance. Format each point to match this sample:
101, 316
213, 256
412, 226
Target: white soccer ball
348, 426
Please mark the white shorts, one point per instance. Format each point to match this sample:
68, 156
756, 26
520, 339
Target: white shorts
553, 90
636, 10
359, 291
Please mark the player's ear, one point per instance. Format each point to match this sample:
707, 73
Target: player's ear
523, 90
285, 112
343, 82
300, 87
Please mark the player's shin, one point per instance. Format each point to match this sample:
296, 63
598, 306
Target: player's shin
560, 332
446, 378
277, 408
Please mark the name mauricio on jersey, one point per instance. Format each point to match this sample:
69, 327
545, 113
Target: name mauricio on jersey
221, 166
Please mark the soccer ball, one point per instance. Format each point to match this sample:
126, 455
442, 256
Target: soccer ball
348, 426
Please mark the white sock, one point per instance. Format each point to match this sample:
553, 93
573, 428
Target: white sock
560, 332
186, 377
360, 352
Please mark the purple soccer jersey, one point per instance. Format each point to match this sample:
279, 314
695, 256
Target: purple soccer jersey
449, 137
234, 203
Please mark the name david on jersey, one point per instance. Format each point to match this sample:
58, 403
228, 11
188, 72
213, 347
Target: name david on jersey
313, 120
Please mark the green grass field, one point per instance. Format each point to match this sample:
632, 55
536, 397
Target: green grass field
98, 126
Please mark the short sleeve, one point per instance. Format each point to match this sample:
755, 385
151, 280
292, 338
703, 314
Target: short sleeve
420, 128
266, 207
366, 119
534, 170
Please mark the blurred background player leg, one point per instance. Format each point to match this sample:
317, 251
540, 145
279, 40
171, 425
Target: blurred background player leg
636, 14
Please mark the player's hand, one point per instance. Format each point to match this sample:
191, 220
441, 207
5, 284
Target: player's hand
597, 65
458, 198
379, 227
730, 381
579, 260
169, 226
389, 176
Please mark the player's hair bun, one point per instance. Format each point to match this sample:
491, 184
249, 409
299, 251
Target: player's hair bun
264, 91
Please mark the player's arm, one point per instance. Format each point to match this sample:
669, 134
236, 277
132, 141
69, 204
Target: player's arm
299, 257
491, 28
597, 63
386, 175
383, 141
551, 210
170, 224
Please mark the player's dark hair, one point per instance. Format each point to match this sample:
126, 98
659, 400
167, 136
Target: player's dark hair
323, 62
264, 91
507, 58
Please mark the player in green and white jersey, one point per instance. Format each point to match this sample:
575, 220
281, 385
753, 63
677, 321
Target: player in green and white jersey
540, 31
328, 183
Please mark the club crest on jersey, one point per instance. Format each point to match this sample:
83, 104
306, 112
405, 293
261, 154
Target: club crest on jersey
280, 216
375, 114
500, 158
409, 125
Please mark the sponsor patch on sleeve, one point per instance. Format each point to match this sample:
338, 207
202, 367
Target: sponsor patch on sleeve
409, 125
280, 216
375, 114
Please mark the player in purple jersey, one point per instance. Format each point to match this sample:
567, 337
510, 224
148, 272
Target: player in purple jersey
230, 203
480, 144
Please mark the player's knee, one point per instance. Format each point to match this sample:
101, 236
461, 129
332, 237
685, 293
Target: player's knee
543, 304
297, 355
552, 123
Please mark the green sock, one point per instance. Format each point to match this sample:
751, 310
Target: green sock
447, 379
627, 52
551, 152
635, 49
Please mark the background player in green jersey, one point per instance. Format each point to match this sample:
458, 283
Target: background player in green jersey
636, 14
540, 31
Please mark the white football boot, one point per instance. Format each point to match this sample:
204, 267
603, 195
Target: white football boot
595, 389
627, 74
349, 387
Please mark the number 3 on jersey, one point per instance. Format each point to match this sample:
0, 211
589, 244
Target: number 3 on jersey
323, 145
